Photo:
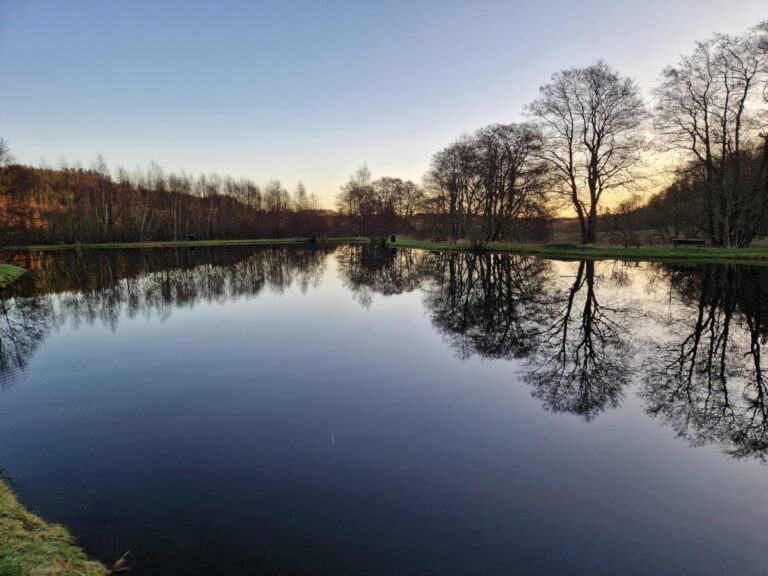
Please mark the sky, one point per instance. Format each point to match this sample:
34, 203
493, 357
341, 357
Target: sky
309, 90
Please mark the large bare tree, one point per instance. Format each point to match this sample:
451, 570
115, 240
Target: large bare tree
712, 106
592, 122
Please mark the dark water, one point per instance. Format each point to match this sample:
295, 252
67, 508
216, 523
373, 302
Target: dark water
343, 410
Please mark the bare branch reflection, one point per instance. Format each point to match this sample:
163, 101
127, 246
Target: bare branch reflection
368, 269
568, 328
576, 348
84, 288
708, 380
581, 361
488, 304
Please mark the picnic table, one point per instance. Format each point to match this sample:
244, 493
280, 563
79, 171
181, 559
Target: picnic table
688, 241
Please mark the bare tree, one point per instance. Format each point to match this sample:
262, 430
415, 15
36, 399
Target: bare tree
411, 200
454, 186
511, 180
277, 202
354, 200
101, 168
709, 106
592, 121
6, 158
484, 182
626, 220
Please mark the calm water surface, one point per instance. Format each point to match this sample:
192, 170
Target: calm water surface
346, 410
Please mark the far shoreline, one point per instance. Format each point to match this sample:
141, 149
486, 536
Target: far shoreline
600, 252
663, 253
181, 243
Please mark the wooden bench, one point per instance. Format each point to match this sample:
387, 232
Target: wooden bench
439, 239
688, 241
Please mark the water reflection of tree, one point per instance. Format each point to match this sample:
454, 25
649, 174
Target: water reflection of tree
575, 333
367, 269
703, 374
488, 304
498, 306
510, 307
580, 364
707, 380
24, 324
101, 286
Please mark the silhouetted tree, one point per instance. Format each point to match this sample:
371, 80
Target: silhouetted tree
455, 188
707, 105
378, 207
592, 123
483, 184
626, 220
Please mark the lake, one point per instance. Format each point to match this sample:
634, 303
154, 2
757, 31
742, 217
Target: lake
319, 409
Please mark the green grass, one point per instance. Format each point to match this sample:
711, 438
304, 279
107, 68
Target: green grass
9, 273
650, 253
30, 546
178, 243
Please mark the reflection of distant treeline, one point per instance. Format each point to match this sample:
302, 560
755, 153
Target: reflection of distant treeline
100, 286
367, 269
578, 331
243, 270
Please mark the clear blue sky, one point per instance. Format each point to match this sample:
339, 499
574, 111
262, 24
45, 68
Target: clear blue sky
309, 90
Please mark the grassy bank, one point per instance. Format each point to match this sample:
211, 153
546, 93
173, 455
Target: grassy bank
31, 547
651, 253
9, 273
184, 243
573, 251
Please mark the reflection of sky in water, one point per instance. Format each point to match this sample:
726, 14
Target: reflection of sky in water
199, 435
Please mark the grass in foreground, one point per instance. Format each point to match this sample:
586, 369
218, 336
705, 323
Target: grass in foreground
9, 273
184, 243
651, 253
31, 547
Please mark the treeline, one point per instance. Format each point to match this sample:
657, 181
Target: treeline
486, 186
45, 206
581, 150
